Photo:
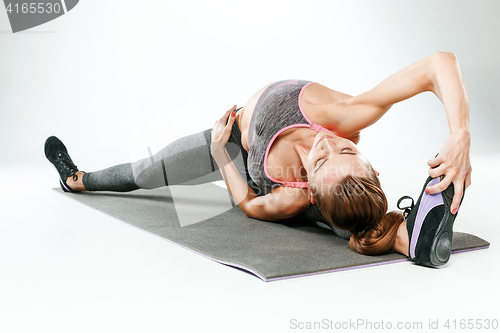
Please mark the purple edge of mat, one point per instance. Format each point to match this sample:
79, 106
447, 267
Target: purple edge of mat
251, 271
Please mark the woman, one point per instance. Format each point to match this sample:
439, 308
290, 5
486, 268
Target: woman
298, 141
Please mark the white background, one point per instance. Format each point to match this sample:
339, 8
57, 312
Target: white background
109, 72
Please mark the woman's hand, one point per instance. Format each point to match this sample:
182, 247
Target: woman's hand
222, 131
454, 163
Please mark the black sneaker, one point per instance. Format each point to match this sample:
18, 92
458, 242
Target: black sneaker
57, 154
430, 226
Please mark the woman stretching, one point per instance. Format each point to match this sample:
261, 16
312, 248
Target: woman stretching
297, 143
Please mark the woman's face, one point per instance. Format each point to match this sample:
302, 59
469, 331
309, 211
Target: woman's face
332, 158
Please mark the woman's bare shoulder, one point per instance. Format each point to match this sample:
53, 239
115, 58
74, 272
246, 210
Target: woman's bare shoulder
325, 106
318, 94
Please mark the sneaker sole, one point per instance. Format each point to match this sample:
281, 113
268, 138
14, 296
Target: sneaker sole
443, 240
441, 244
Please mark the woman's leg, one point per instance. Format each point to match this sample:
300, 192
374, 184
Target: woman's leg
186, 161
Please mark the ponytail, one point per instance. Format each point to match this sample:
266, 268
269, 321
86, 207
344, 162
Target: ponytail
358, 204
379, 237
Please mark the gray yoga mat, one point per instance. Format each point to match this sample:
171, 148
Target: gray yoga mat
202, 219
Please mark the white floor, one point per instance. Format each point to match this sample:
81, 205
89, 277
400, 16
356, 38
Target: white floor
67, 268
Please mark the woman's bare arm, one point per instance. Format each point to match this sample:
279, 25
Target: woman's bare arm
439, 73
279, 204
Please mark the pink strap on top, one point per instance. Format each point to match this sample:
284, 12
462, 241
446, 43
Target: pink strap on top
312, 125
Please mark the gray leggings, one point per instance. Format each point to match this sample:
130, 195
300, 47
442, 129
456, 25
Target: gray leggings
186, 161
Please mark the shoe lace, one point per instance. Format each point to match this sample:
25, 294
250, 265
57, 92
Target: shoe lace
68, 165
407, 209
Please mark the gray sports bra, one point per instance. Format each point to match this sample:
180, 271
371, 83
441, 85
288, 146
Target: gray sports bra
277, 110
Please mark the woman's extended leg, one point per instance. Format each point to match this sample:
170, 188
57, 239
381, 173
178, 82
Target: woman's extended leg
186, 161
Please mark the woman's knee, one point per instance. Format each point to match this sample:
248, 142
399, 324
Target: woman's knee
151, 177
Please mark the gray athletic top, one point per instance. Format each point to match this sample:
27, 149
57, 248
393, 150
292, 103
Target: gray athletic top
278, 109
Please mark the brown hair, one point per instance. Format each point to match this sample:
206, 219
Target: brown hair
379, 237
358, 204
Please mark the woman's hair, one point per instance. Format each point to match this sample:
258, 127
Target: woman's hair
358, 204
378, 238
